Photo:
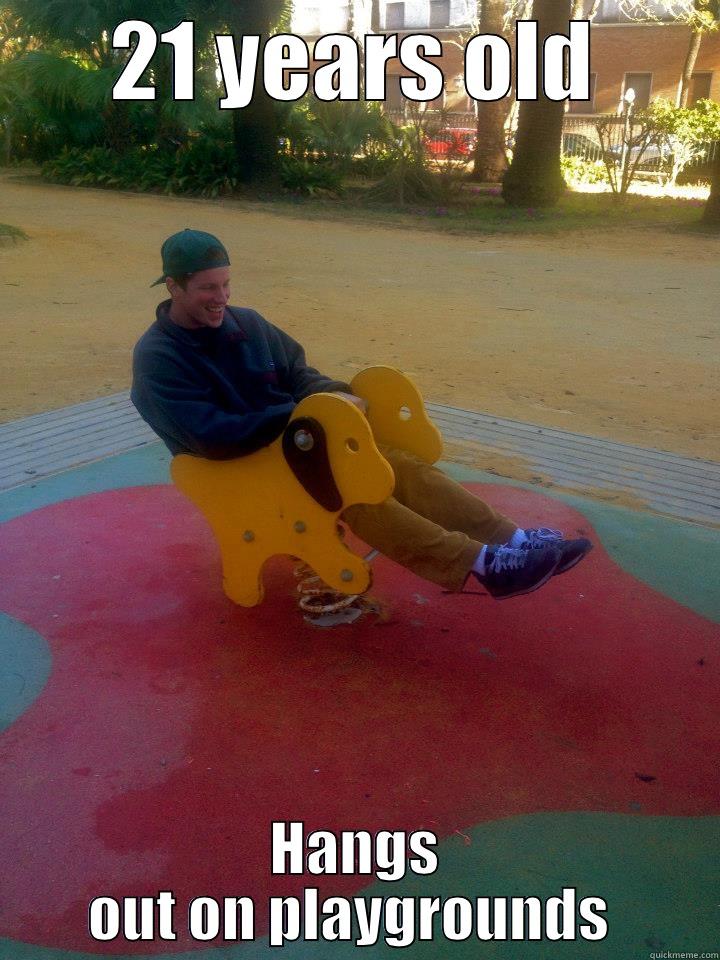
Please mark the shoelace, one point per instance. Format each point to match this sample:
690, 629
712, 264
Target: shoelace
507, 558
543, 535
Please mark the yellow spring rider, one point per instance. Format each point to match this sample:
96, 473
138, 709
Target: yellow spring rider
286, 498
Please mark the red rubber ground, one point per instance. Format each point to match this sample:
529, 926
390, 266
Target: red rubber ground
175, 727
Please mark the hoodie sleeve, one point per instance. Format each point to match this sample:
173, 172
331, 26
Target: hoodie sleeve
183, 414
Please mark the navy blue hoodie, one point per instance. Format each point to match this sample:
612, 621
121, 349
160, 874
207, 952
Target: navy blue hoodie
224, 392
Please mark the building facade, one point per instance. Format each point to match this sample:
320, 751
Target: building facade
649, 57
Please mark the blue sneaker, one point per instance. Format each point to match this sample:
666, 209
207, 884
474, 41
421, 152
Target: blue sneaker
571, 551
510, 572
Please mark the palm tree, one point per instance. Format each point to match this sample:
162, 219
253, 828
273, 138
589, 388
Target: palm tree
78, 66
498, 17
534, 177
490, 159
47, 100
255, 128
13, 43
84, 28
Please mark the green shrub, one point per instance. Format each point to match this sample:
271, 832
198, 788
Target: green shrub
581, 171
408, 177
339, 132
376, 159
204, 167
307, 176
138, 169
685, 133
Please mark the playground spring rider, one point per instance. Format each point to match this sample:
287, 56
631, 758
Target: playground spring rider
286, 498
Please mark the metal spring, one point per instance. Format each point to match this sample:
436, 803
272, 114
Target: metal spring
317, 598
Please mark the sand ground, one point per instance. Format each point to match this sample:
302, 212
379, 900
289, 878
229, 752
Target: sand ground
612, 334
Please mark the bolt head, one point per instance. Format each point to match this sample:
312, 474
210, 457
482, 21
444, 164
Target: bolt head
248, 536
304, 440
346, 575
299, 526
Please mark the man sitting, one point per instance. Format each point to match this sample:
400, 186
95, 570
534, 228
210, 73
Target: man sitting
221, 382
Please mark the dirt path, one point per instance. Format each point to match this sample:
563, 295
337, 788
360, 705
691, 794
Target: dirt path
614, 335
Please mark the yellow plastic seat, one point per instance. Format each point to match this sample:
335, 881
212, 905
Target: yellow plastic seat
286, 498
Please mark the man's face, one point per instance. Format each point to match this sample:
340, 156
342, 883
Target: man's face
203, 301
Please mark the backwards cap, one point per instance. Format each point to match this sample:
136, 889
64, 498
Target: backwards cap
190, 251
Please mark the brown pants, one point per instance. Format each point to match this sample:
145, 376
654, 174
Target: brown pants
430, 524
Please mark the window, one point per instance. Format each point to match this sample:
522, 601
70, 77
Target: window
700, 84
641, 83
611, 11
394, 16
585, 106
439, 13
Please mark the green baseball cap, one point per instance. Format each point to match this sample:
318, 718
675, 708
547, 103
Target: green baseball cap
190, 251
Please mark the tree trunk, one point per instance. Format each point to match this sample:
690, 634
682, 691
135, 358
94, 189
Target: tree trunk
375, 16
690, 61
711, 214
490, 159
169, 132
118, 128
534, 178
255, 132
256, 139
7, 141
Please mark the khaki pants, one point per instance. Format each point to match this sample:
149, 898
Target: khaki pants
430, 524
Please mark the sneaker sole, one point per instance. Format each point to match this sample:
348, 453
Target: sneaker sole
532, 589
573, 563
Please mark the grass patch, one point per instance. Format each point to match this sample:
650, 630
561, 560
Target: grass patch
473, 209
7, 230
480, 210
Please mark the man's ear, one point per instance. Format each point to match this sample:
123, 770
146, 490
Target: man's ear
172, 285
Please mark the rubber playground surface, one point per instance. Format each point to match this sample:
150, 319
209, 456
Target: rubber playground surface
152, 732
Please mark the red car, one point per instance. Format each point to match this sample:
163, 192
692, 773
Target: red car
451, 142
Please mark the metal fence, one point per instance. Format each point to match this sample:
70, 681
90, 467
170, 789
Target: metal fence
581, 139
580, 134
453, 120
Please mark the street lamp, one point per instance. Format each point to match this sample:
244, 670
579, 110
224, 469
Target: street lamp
628, 101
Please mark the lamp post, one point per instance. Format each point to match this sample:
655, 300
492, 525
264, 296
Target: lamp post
628, 102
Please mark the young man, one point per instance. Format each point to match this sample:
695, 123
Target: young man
220, 382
